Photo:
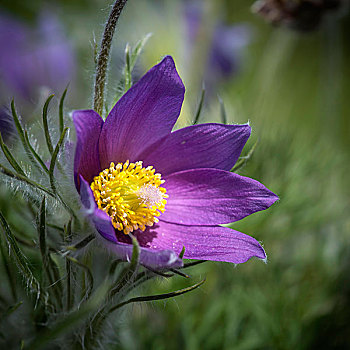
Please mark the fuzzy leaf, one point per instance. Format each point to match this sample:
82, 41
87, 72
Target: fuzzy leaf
54, 159
89, 276
22, 178
71, 321
35, 154
60, 110
181, 255
131, 56
157, 296
136, 52
180, 273
242, 161
8, 268
194, 263
127, 69
41, 224
10, 157
222, 111
81, 244
45, 124
21, 135
20, 259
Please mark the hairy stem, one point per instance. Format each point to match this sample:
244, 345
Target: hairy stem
103, 57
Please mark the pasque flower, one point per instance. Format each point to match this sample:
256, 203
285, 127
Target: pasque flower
169, 189
34, 57
226, 43
7, 127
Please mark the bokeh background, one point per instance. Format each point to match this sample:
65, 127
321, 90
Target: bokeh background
291, 81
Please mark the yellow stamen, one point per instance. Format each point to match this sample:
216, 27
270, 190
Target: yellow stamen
130, 194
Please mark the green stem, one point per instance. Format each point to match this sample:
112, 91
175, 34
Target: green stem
103, 57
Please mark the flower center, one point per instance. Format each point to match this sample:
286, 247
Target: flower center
130, 194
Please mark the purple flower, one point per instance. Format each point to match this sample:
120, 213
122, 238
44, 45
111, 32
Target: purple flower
7, 127
170, 189
34, 57
225, 44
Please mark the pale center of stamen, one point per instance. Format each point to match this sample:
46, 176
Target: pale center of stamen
150, 195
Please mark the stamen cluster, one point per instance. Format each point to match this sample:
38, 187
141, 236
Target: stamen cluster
130, 194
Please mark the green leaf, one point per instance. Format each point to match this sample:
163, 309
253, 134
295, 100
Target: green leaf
56, 285
242, 161
124, 279
8, 268
135, 253
193, 263
56, 227
60, 110
54, 159
90, 279
47, 263
160, 273
128, 273
25, 179
180, 273
114, 266
138, 50
35, 154
10, 158
81, 244
67, 239
222, 111
182, 253
71, 321
21, 135
127, 69
41, 223
10, 310
131, 56
20, 259
157, 296
200, 106
45, 124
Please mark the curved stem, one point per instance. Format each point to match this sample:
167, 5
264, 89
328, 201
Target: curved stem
103, 57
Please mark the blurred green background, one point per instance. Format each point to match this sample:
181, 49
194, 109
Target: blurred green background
293, 88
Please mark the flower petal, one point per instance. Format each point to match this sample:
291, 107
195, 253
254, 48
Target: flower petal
88, 125
212, 196
100, 219
145, 114
204, 242
156, 259
198, 146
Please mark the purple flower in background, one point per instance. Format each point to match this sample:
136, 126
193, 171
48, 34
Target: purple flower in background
34, 57
7, 127
226, 43
169, 189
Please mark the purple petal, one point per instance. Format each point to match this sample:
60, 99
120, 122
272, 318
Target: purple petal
88, 125
204, 242
35, 57
156, 259
211, 197
198, 146
7, 127
145, 114
226, 48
